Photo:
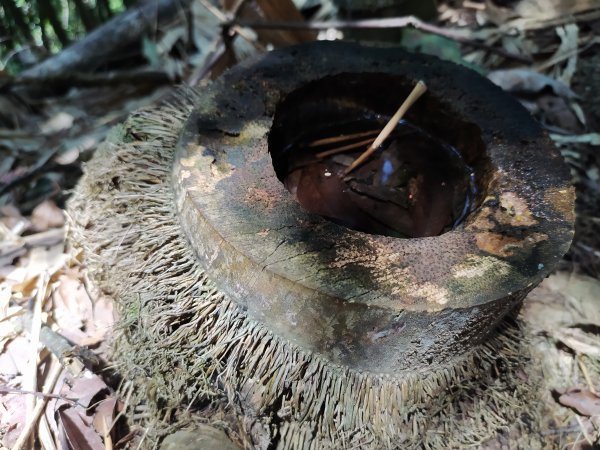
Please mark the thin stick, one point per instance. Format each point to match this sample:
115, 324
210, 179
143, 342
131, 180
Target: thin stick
342, 138
30, 381
335, 151
108, 443
417, 91
586, 374
7, 390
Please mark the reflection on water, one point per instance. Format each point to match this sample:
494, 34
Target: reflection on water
414, 185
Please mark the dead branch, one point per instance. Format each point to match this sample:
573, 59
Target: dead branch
79, 79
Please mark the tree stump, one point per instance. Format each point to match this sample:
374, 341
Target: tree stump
373, 303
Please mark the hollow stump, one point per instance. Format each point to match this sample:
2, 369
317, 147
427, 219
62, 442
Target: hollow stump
303, 332
369, 302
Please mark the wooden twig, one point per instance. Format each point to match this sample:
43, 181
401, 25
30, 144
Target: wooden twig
108, 443
40, 395
30, 381
83, 79
586, 374
345, 148
58, 345
342, 138
417, 91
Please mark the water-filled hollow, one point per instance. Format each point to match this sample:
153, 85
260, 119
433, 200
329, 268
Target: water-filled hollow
424, 180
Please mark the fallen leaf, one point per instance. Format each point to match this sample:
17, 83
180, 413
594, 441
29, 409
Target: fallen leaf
13, 419
11, 218
589, 138
14, 358
47, 215
100, 323
38, 261
72, 305
527, 81
582, 401
85, 389
81, 435
555, 111
578, 340
104, 415
58, 122
67, 157
562, 300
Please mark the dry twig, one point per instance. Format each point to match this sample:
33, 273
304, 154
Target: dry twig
335, 151
34, 333
342, 138
417, 91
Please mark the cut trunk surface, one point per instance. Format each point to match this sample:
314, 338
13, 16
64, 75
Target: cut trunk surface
308, 330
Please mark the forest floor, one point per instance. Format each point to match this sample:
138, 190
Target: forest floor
54, 326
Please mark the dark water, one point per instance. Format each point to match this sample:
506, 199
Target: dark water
415, 185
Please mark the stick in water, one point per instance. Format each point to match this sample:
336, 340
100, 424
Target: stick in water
345, 148
417, 91
342, 138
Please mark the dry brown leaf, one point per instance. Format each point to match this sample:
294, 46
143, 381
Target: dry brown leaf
10, 211
556, 111
47, 215
13, 419
104, 415
82, 320
13, 360
25, 288
87, 388
582, 401
72, 308
38, 261
12, 219
99, 325
562, 300
80, 434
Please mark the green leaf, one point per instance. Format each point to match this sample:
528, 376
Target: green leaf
431, 44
